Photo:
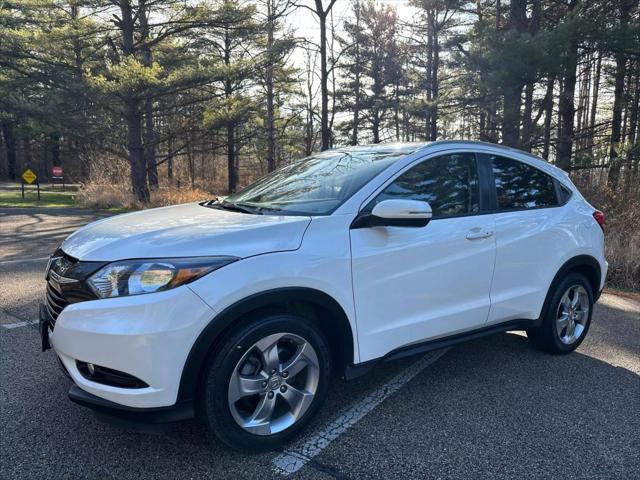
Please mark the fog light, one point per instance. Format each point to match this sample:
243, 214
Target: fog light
108, 376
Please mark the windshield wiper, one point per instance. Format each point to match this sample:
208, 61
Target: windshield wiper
234, 207
239, 207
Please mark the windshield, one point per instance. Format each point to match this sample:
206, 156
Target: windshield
315, 185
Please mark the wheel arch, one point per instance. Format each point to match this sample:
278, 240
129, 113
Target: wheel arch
584, 264
320, 307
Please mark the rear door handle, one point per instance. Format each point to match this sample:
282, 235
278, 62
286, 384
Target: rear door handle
478, 233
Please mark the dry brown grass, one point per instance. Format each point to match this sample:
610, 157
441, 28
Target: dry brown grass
100, 196
622, 230
172, 196
109, 187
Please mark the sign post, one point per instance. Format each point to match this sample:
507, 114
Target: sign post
28, 177
57, 173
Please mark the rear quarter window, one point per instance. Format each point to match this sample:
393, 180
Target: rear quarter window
564, 193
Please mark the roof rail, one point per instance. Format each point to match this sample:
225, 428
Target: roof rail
489, 144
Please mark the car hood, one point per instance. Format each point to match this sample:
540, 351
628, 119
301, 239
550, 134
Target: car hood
188, 230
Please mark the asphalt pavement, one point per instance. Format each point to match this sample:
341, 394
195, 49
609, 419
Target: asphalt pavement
491, 408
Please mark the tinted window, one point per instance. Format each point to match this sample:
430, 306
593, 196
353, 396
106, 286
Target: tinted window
522, 186
565, 194
317, 185
449, 183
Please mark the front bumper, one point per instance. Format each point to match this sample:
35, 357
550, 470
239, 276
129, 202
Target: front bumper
111, 410
146, 336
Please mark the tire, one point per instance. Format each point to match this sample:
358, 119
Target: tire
567, 317
277, 364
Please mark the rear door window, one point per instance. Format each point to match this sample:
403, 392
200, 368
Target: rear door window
521, 186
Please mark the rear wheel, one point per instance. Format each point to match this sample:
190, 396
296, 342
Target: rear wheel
567, 318
266, 382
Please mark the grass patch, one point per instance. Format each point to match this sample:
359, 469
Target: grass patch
48, 199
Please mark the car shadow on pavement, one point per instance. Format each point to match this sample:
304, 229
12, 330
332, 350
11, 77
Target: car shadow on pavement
494, 401
498, 408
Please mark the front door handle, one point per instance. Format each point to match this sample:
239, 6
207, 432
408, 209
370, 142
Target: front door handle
478, 232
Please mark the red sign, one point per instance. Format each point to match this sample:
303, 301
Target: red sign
57, 171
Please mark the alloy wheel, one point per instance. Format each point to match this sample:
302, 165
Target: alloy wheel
573, 314
273, 384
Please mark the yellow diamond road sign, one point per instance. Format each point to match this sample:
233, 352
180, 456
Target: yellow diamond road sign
28, 176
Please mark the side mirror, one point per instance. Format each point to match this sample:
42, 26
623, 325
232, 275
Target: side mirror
395, 213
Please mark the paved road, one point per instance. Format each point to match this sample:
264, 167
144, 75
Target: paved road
492, 408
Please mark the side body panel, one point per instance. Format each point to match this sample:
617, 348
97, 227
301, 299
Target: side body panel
531, 247
323, 262
416, 284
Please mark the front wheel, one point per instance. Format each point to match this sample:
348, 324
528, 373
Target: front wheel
567, 318
266, 382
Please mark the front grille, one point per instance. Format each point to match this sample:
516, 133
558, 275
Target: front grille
66, 283
55, 302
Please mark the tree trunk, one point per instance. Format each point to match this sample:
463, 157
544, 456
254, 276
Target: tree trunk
54, 149
512, 91
10, 144
581, 82
428, 78
615, 162
625, 116
511, 115
271, 141
356, 79
27, 157
232, 166
149, 132
324, 79
309, 107
482, 121
170, 159
190, 164
433, 128
375, 125
635, 106
133, 118
231, 159
548, 115
356, 109
586, 94
396, 109
132, 114
150, 145
566, 106
594, 104
527, 124
616, 122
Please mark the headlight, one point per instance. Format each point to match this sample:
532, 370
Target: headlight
134, 277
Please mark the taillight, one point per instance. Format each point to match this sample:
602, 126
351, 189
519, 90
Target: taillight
599, 216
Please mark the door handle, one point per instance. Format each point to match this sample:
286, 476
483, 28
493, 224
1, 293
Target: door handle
478, 233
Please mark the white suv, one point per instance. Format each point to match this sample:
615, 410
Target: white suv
239, 310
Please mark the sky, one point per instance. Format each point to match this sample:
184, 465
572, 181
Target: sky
306, 24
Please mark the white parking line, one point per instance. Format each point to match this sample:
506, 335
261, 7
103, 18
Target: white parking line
26, 323
296, 457
23, 260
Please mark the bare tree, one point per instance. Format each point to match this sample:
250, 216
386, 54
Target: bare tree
322, 12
